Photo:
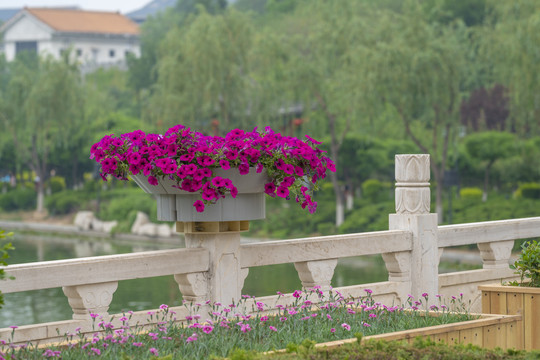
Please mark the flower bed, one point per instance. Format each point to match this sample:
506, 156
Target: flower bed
510, 300
523, 297
226, 327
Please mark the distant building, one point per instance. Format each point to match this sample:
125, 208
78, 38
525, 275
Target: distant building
95, 38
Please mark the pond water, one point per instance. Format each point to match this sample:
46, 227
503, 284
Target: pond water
47, 305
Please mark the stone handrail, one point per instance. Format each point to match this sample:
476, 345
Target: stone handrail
488, 231
99, 269
324, 247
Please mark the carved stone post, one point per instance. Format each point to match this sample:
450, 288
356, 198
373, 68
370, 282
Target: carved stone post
496, 255
90, 298
316, 273
224, 280
412, 214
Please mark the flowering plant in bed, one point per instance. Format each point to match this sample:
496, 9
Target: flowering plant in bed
246, 324
189, 158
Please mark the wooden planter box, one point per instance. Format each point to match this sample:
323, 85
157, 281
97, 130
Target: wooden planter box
489, 331
174, 204
499, 299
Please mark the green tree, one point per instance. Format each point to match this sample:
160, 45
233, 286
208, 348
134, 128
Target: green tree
509, 49
143, 70
203, 74
488, 147
416, 67
43, 106
308, 63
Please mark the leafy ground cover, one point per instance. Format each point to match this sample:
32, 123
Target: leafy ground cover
392, 350
221, 329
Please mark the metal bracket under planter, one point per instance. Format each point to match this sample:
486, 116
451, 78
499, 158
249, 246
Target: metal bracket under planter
174, 204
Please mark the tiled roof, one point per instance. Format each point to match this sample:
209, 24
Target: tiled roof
85, 21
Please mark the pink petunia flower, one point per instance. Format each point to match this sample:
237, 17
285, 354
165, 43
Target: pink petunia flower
199, 206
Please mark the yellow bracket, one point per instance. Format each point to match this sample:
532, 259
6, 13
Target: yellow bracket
212, 227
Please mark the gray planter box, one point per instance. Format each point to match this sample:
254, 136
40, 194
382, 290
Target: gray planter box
177, 205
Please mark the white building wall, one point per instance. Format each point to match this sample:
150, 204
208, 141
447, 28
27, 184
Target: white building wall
9, 51
99, 51
26, 29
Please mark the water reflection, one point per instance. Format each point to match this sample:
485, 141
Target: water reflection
51, 305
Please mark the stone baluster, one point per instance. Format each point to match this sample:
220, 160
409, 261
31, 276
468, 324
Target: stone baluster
420, 266
316, 273
224, 280
90, 298
496, 255
398, 265
193, 287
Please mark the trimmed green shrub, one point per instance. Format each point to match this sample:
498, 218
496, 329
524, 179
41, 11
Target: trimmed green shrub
326, 228
119, 207
375, 190
65, 202
472, 194
57, 184
124, 226
371, 188
530, 190
21, 198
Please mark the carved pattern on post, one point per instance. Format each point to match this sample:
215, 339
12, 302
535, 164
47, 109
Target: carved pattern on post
316, 273
412, 214
193, 287
412, 184
496, 254
88, 298
398, 265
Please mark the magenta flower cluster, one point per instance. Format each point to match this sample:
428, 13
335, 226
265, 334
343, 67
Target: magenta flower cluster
294, 166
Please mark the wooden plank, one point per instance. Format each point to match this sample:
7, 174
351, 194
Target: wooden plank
465, 336
518, 289
498, 303
453, 337
490, 334
477, 337
514, 305
513, 340
531, 321
488, 231
442, 337
324, 247
486, 302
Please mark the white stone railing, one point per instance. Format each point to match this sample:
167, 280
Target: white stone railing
214, 264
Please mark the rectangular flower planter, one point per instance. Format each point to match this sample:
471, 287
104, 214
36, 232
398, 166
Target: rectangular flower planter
489, 331
174, 204
509, 300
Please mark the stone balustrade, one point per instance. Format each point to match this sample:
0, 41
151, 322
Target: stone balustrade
214, 264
